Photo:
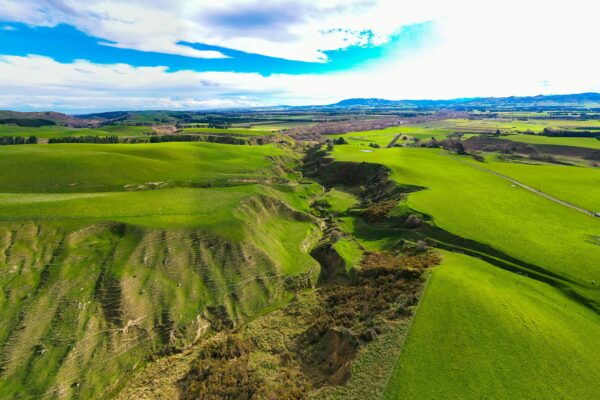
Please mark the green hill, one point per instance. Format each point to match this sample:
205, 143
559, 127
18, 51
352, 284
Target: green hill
99, 276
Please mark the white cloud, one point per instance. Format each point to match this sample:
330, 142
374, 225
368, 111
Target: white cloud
492, 48
36, 82
296, 29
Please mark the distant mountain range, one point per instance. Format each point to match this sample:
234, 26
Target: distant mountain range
553, 102
590, 100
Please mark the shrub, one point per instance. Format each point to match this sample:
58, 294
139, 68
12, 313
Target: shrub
378, 211
335, 236
421, 245
412, 221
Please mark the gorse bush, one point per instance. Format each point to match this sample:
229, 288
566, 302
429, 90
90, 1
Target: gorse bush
223, 371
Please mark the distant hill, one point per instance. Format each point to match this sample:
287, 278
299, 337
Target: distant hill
46, 118
358, 102
587, 100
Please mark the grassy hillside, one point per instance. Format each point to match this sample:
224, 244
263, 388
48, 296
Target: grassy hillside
111, 253
56, 131
577, 185
481, 206
481, 332
93, 168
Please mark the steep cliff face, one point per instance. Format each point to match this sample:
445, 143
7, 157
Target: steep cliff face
80, 299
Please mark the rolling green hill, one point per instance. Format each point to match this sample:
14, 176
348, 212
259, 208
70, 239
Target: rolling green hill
498, 330
172, 270
98, 276
87, 168
481, 332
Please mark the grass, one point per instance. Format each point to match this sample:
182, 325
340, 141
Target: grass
231, 131
484, 333
94, 168
576, 185
96, 276
591, 143
339, 200
508, 125
350, 252
481, 206
209, 209
55, 131
383, 137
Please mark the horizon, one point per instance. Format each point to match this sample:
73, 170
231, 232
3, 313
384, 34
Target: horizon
95, 57
298, 106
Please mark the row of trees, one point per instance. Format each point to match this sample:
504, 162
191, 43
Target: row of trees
27, 122
85, 139
9, 140
569, 133
198, 138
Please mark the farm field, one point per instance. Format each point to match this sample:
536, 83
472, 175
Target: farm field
55, 131
591, 143
231, 131
511, 125
481, 332
576, 185
383, 137
510, 219
477, 320
110, 167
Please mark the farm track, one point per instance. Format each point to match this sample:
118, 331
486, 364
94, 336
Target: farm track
394, 140
533, 190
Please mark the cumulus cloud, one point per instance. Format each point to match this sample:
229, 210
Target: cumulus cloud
36, 82
292, 29
492, 48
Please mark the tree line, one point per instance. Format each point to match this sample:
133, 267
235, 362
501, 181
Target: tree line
85, 139
29, 123
197, 138
10, 140
553, 132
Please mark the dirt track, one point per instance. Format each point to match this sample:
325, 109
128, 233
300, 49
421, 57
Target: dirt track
529, 188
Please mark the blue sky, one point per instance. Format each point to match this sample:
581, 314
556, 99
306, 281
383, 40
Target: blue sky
78, 56
65, 43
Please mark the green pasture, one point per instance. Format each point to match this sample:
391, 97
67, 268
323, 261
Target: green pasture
484, 333
478, 205
113, 167
506, 125
577, 185
383, 137
231, 131
591, 143
56, 131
